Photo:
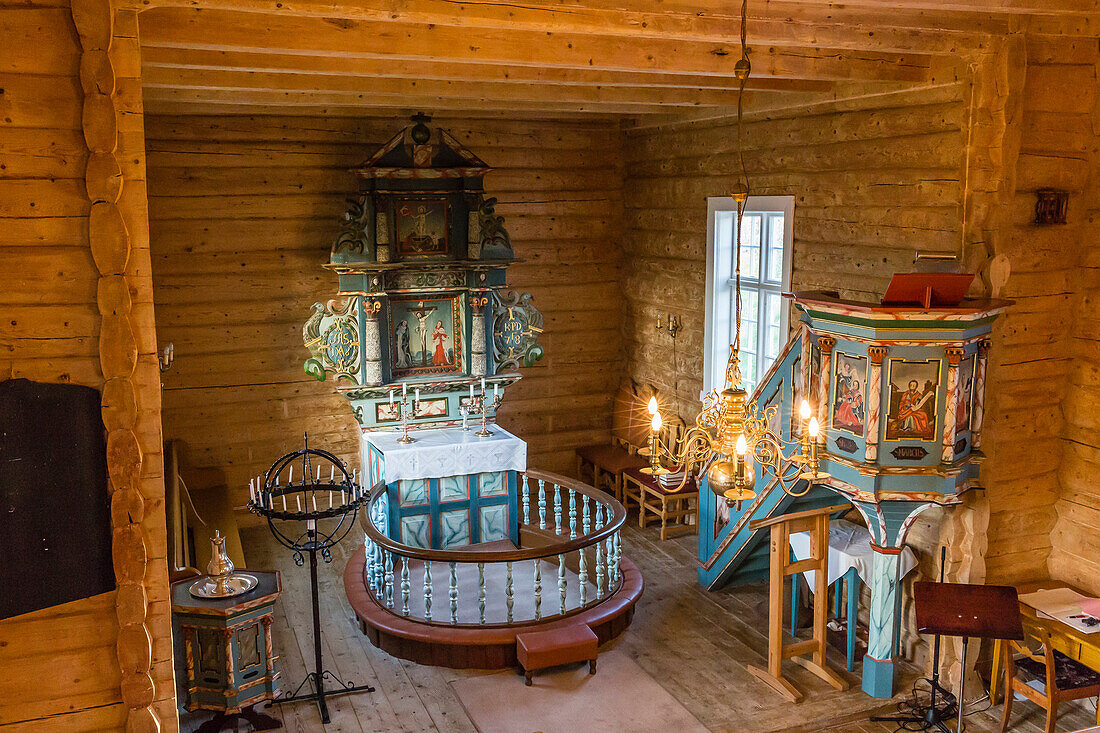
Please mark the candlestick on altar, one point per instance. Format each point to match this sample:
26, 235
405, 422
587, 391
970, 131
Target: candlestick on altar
464, 410
485, 432
405, 438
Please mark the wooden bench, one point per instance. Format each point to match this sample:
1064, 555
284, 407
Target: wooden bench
606, 463
550, 648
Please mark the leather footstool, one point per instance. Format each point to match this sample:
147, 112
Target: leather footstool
563, 645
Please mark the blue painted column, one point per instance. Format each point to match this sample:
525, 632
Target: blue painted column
878, 664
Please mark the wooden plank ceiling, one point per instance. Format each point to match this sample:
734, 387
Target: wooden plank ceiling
561, 57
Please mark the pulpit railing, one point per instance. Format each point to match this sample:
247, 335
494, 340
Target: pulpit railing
572, 563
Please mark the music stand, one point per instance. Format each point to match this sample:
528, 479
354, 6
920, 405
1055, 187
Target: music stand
968, 611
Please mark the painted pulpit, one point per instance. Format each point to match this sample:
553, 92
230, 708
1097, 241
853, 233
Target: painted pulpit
423, 338
900, 391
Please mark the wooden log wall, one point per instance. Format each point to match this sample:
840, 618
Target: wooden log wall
1076, 535
243, 211
78, 308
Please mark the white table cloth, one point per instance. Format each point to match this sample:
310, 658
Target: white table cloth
849, 547
445, 452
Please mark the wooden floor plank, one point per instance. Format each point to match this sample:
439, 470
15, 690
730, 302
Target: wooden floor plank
694, 643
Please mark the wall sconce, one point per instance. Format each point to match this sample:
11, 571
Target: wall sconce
166, 357
1050, 206
673, 325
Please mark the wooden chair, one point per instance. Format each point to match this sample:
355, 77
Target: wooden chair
1064, 678
606, 462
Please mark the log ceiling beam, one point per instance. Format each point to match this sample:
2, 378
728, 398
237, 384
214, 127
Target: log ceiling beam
359, 90
299, 102
809, 26
231, 31
154, 59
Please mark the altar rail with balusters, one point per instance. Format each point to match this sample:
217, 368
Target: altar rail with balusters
573, 532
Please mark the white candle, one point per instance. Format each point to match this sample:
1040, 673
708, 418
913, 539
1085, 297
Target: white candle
331, 473
494, 393
471, 390
284, 502
330, 500
391, 396
314, 502
404, 389
343, 498
298, 502
318, 471
290, 479
483, 385
252, 493
418, 396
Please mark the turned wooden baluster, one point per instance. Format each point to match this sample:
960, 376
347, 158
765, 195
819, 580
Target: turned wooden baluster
526, 501
481, 590
542, 504
586, 519
617, 552
509, 591
427, 590
557, 509
582, 575
387, 567
453, 593
572, 514
368, 571
599, 553
405, 586
561, 582
538, 590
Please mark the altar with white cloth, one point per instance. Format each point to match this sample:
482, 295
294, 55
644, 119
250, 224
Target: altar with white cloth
448, 488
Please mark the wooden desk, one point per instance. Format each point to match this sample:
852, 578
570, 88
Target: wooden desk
1085, 648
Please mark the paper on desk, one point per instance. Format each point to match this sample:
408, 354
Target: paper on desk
1091, 606
1066, 606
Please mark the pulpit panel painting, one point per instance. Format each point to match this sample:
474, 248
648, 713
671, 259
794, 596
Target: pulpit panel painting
913, 387
426, 336
849, 410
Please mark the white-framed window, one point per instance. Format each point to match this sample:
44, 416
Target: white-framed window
765, 239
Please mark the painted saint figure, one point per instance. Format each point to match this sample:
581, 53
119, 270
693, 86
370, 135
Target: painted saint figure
439, 336
401, 342
849, 410
912, 417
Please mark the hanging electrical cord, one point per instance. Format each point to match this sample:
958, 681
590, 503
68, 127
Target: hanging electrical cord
740, 192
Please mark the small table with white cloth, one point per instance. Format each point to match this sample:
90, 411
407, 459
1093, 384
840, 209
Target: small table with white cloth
850, 558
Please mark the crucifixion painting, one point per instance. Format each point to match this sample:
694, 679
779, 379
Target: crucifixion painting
426, 337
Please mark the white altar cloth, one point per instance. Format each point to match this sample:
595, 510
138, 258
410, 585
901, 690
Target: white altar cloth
442, 452
849, 547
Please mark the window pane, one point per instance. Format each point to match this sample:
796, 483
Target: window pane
751, 235
775, 248
723, 229
772, 337
748, 371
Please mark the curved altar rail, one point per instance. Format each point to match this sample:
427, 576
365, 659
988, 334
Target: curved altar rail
578, 524
463, 607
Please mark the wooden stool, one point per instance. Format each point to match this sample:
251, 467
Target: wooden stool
816, 521
564, 645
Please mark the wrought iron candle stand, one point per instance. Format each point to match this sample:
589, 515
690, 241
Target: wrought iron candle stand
314, 501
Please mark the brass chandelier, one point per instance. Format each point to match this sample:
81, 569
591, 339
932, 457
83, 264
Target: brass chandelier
731, 434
